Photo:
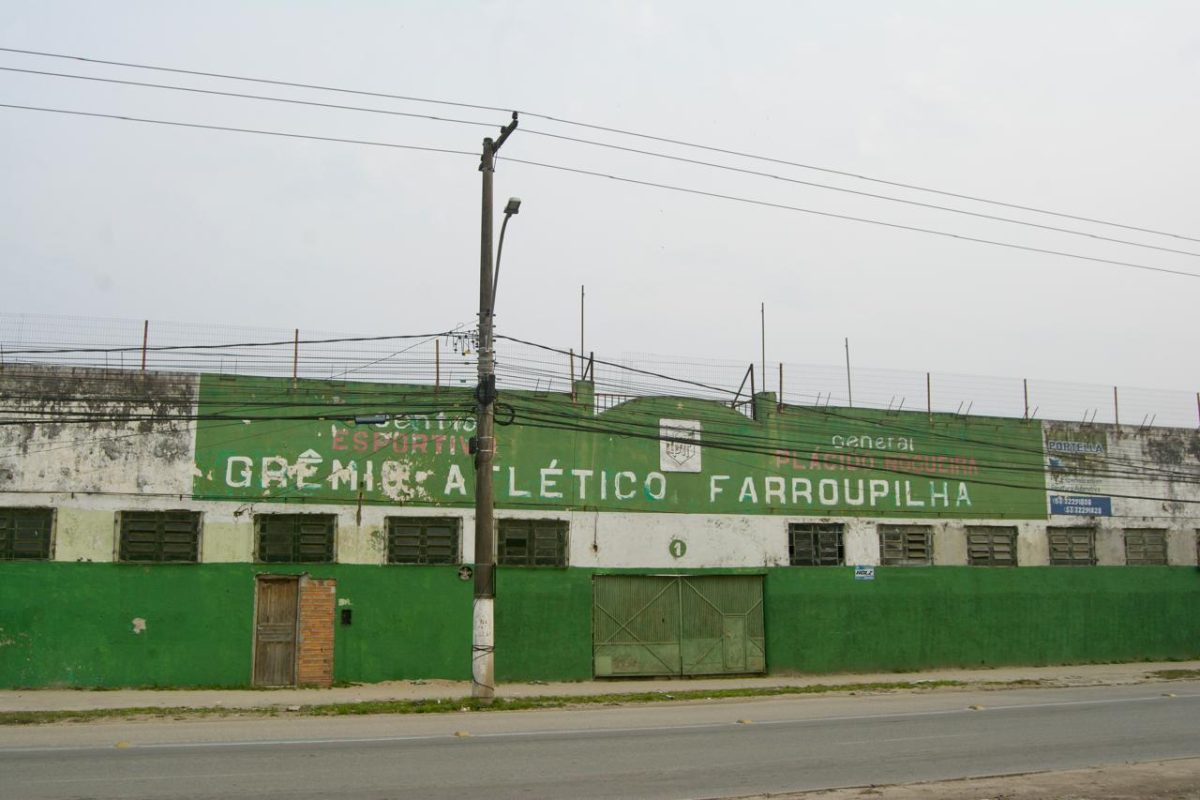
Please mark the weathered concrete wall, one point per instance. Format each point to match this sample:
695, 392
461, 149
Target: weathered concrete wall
1152, 475
85, 430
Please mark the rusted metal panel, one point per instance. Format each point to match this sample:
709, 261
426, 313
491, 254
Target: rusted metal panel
275, 630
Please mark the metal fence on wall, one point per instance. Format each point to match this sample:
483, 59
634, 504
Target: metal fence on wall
448, 358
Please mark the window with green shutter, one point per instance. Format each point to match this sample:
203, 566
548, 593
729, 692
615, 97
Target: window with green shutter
532, 542
1072, 547
905, 545
1145, 546
295, 538
159, 536
25, 533
812, 545
421, 540
991, 546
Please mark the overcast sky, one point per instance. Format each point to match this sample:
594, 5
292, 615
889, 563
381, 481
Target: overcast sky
1088, 108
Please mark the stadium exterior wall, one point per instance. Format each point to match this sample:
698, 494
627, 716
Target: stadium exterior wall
653, 486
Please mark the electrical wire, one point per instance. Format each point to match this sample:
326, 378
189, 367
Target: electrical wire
597, 127
242, 96
846, 217
610, 146
633, 181
231, 129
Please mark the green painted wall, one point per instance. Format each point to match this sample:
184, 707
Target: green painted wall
70, 624
822, 620
267, 440
409, 622
67, 624
543, 624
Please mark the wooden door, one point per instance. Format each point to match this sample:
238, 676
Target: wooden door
275, 630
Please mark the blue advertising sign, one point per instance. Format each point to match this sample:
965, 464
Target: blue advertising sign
1081, 506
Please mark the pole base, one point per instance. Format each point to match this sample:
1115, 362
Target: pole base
483, 650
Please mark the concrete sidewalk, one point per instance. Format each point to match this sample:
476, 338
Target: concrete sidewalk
78, 700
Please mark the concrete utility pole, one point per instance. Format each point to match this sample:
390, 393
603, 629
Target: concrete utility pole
483, 631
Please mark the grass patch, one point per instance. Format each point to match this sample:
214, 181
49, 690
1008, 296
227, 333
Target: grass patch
448, 705
623, 698
1175, 674
92, 714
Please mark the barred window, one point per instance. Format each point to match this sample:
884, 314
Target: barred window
25, 533
1072, 547
905, 545
815, 545
159, 536
420, 540
532, 542
991, 546
295, 538
1145, 546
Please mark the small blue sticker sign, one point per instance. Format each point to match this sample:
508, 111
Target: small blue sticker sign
864, 573
1085, 506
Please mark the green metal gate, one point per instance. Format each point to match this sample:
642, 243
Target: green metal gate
677, 625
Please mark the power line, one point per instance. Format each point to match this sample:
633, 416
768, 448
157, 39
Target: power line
862, 177
801, 425
241, 96
534, 413
622, 179
603, 128
850, 218
232, 129
230, 77
610, 146
238, 402
859, 193
535, 421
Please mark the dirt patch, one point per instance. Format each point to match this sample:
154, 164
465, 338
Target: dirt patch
1178, 779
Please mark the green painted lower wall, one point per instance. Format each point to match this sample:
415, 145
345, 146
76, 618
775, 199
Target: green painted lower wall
543, 624
69, 624
72, 624
821, 620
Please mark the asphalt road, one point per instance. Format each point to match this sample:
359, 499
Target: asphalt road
701, 750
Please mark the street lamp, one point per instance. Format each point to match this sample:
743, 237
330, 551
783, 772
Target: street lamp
513, 206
